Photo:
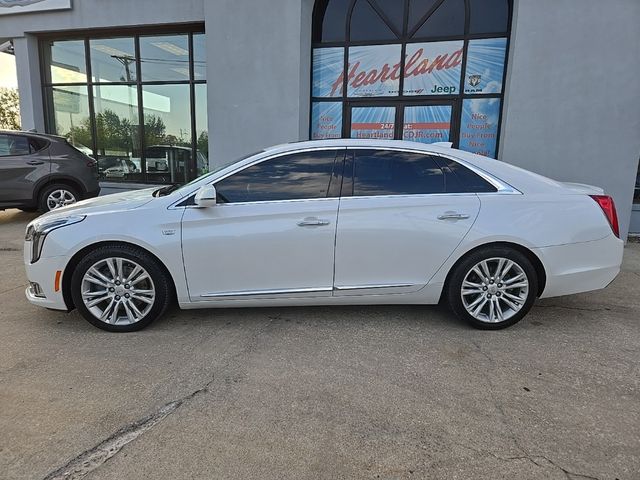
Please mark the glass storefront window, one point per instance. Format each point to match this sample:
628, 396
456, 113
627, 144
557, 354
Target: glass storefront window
148, 116
202, 131
117, 137
70, 108
164, 58
113, 60
66, 62
199, 57
167, 132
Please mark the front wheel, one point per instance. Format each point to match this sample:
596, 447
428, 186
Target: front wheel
493, 288
120, 288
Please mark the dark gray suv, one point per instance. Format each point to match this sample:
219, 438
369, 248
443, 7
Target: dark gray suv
43, 172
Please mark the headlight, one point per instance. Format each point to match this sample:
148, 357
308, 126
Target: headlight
38, 230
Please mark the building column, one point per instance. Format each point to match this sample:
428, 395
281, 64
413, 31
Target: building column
29, 86
258, 75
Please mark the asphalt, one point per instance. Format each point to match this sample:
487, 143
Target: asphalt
347, 392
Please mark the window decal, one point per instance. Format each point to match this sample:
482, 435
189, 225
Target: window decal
326, 120
427, 124
328, 65
485, 66
433, 68
374, 71
479, 126
373, 122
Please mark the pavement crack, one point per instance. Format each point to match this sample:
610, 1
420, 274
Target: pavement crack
93, 458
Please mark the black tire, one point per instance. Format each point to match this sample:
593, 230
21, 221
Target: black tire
46, 191
161, 284
463, 267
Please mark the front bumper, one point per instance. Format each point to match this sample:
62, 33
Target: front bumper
43, 272
581, 267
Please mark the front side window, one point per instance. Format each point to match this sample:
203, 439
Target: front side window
383, 172
305, 175
11, 145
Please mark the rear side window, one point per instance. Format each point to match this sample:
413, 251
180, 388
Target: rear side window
13, 145
387, 172
303, 175
35, 144
460, 179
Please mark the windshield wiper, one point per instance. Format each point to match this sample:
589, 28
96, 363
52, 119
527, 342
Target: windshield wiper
166, 190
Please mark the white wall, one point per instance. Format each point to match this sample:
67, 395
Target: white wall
572, 108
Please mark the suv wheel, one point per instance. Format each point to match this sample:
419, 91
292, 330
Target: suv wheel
493, 288
55, 196
120, 288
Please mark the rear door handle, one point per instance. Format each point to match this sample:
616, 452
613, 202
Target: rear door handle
453, 216
35, 162
313, 222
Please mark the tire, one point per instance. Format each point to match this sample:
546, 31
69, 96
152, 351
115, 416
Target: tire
128, 301
496, 301
57, 195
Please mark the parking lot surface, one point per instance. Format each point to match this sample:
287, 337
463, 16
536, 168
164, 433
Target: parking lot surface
343, 392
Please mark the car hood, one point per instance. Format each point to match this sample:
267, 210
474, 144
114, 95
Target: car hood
108, 203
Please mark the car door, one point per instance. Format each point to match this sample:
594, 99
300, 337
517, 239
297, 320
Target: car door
399, 225
22, 164
272, 233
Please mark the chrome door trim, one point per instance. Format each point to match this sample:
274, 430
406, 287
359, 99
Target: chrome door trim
282, 291
342, 288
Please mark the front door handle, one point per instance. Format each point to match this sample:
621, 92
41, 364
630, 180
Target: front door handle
453, 216
313, 222
35, 162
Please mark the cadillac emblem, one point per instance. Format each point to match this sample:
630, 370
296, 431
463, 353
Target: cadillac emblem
474, 80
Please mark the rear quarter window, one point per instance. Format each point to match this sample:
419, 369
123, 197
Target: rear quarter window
460, 179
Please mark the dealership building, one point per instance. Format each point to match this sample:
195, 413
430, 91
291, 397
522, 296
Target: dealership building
160, 91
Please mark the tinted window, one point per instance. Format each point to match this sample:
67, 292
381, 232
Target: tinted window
13, 145
447, 20
489, 16
380, 172
459, 179
290, 177
366, 24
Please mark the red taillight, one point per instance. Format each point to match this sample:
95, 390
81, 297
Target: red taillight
91, 163
609, 208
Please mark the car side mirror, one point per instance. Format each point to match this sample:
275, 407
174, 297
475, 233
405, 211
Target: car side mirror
206, 196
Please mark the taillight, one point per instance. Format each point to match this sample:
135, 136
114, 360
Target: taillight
609, 208
91, 163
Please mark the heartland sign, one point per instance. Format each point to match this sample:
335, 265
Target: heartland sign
10, 7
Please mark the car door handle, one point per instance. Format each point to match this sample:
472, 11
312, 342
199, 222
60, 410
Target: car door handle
35, 162
313, 222
453, 216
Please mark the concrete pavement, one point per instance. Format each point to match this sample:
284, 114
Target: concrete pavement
355, 392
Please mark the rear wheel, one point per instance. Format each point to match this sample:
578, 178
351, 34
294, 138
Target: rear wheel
120, 288
493, 288
56, 196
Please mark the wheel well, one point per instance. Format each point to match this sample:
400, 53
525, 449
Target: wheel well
59, 181
73, 263
533, 258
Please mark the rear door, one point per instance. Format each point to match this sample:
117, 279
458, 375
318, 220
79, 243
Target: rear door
23, 162
396, 222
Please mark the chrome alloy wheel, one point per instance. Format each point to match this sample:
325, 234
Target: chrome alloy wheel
60, 198
494, 290
118, 291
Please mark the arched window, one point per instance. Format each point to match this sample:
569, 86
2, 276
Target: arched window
421, 70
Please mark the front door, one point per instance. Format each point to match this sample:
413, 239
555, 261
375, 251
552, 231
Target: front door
272, 233
424, 122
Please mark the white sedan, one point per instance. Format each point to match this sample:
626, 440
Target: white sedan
337, 222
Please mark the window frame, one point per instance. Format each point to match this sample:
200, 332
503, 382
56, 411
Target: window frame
86, 36
405, 39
